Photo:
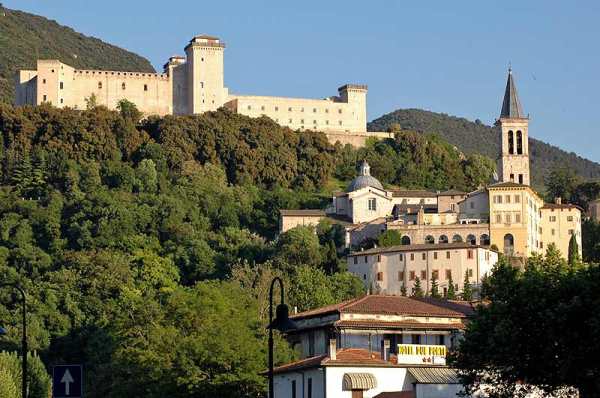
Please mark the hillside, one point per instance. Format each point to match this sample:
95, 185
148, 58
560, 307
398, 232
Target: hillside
24, 38
476, 137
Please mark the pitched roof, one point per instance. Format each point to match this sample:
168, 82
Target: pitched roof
508, 184
413, 193
451, 192
378, 324
511, 106
416, 247
561, 206
320, 213
395, 305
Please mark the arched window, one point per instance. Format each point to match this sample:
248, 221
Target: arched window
457, 239
484, 240
179, 88
123, 86
405, 240
145, 87
519, 143
430, 240
201, 84
443, 239
472, 239
511, 143
509, 244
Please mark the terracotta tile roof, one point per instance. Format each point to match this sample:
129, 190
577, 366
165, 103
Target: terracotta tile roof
395, 394
561, 206
396, 305
419, 247
302, 213
508, 185
451, 192
301, 364
400, 325
413, 193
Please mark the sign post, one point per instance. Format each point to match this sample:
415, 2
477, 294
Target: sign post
67, 381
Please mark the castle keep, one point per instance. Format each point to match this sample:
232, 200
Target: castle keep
188, 85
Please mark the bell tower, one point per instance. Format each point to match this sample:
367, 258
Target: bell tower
513, 162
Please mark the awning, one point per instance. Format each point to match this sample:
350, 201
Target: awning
434, 375
359, 381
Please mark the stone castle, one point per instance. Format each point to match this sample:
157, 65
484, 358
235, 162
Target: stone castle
188, 85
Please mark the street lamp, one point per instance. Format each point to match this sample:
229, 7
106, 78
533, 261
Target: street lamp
282, 322
24, 342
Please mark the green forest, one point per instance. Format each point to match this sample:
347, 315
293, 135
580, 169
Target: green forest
25, 38
478, 138
146, 246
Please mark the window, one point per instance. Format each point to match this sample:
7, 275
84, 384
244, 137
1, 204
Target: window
355, 260
340, 122
448, 254
339, 111
507, 218
314, 110
411, 275
400, 276
517, 199
262, 108
401, 256
326, 110
512, 178
202, 86
552, 218
372, 204
453, 208
423, 275
289, 109
448, 274
507, 197
122, 86
249, 107
436, 273
44, 97
61, 100
416, 339
412, 256
44, 81
470, 254
314, 122
301, 109
290, 121
435, 255
309, 386
518, 217
472, 205
302, 121
498, 218
293, 388
553, 232
100, 85
276, 108
569, 218
365, 276
61, 85
424, 256
541, 245
326, 121
470, 271
441, 339
497, 198
379, 258
145, 87
380, 276
571, 232
366, 259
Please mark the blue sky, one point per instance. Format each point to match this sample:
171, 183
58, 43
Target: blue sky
444, 56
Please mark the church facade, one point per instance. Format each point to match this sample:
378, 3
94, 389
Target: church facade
189, 85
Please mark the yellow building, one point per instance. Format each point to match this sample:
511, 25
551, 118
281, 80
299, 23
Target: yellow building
558, 223
188, 85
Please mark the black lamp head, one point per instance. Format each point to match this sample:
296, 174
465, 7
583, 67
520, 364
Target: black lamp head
3, 332
282, 321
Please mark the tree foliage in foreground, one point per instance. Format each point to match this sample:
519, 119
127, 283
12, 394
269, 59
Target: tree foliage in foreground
540, 328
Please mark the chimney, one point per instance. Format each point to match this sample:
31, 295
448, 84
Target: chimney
558, 200
385, 350
332, 349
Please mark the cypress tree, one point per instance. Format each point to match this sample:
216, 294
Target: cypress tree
573, 250
451, 295
22, 174
435, 292
467, 294
403, 290
417, 291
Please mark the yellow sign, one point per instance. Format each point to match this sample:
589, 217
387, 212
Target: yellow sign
416, 354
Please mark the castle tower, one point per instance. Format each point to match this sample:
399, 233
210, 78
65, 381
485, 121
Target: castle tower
356, 96
513, 163
205, 87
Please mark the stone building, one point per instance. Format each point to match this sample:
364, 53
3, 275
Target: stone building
507, 214
594, 210
387, 269
189, 85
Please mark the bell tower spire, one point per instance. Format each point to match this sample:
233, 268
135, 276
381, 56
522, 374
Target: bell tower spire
513, 162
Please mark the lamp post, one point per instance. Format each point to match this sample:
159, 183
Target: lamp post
282, 322
24, 342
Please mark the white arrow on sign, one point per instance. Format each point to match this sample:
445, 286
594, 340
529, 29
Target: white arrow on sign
67, 379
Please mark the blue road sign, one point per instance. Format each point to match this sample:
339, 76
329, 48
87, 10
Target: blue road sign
67, 381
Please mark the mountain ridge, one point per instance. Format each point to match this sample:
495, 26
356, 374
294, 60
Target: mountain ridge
477, 137
25, 38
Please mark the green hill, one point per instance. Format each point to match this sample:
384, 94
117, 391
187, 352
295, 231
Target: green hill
24, 38
476, 137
